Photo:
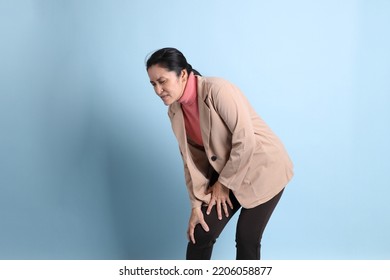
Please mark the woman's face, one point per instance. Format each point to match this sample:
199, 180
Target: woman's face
167, 85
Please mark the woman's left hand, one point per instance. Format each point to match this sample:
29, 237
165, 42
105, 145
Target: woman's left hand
219, 198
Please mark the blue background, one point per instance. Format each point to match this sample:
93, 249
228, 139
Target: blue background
89, 167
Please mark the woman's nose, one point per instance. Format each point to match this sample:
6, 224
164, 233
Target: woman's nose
158, 90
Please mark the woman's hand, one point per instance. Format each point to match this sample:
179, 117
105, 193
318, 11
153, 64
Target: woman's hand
196, 218
220, 198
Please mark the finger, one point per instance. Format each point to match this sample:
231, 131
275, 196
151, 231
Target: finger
225, 209
229, 203
191, 234
219, 210
211, 204
204, 225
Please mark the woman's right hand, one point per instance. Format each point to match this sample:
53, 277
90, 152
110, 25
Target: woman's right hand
196, 218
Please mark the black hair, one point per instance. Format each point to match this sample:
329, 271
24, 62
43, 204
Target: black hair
171, 59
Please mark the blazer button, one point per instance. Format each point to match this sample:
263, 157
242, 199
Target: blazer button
213, 158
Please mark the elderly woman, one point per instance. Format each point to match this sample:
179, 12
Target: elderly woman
232, 160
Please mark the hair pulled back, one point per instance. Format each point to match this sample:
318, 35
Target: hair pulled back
171, 59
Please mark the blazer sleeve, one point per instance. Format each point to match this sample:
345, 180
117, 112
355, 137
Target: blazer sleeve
194, 201
233, 108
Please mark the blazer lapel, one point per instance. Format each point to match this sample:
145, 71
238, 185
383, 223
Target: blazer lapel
204, 113
177, 120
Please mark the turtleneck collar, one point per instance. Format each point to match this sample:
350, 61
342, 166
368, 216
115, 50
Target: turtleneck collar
189, 95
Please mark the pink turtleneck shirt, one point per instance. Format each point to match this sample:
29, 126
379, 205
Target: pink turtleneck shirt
189, 105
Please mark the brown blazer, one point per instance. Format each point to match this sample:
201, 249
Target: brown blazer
250, 159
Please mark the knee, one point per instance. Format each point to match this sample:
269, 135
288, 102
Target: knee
247, 239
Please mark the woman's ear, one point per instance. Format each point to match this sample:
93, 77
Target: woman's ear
184, 75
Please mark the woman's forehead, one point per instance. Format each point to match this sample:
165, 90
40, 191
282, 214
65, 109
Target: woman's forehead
156, 71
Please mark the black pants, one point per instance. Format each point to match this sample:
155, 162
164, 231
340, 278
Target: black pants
250, 227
